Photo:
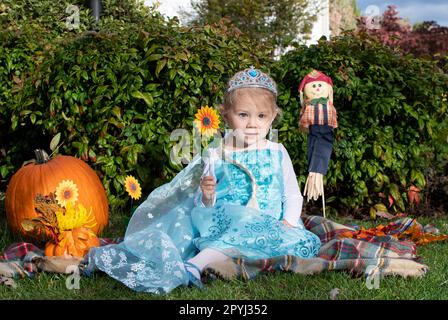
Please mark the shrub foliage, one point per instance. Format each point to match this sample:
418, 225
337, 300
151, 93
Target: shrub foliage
392, 114
115, 95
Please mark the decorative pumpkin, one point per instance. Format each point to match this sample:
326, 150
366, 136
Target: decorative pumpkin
76, 242
42, 177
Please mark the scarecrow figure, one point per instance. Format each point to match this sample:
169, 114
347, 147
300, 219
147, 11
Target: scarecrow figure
318, 118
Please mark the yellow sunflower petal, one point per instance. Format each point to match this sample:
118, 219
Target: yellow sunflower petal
212, 120
133, 187
66, 191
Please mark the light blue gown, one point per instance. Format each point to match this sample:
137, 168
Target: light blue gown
172, 225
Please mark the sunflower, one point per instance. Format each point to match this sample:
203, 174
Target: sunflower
207, 120
133, 187
66, 191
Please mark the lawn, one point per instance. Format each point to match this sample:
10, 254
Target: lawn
280, 286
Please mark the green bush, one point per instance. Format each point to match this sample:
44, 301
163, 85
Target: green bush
392, 114
28, 29
30, 32
116, 95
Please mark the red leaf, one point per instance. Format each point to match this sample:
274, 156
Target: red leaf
413, 195
391, 201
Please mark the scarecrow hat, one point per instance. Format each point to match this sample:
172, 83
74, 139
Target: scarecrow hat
313, 76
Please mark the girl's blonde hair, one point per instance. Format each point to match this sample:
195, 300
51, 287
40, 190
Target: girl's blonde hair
230, 98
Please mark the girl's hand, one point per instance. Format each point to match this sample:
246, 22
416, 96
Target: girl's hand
208, 185
286, 223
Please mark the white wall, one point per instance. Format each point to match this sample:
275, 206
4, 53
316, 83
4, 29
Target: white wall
171, 8
322, 25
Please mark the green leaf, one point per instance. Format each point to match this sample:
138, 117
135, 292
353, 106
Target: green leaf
146, 96
372, 213
371, 171
182, 56
418, 178
25, 112
155, 57
394, 191
55, 142
380, 207
377, 150
117, 112
160, 65
410, 110
4, 171
14, 122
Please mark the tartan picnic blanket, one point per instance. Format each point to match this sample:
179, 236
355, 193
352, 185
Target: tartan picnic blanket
19, 260
340, 250
384, 254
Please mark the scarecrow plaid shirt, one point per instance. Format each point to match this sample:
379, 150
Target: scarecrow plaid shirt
325, 115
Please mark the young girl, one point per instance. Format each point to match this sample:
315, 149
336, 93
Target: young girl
248, 205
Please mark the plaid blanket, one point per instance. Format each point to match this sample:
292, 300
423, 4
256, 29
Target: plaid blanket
385, 254
22, 259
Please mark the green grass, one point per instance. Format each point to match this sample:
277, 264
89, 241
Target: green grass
279, 286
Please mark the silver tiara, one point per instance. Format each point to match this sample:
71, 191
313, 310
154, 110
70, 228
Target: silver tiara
250, 78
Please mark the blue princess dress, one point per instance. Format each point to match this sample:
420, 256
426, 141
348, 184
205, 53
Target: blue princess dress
255, 190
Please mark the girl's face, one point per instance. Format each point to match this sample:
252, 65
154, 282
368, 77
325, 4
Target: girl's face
251, 116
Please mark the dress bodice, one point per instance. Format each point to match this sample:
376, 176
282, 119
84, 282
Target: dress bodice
234, 185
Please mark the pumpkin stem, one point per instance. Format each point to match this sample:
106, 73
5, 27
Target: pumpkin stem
41, 156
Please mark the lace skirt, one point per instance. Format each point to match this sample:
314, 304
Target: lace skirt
243, 231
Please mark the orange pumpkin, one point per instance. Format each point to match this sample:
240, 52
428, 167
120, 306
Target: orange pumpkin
42, 177
76, 242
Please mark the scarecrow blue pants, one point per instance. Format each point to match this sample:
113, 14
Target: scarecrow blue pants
320, 146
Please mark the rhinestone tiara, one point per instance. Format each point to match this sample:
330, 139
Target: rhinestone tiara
250, 78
